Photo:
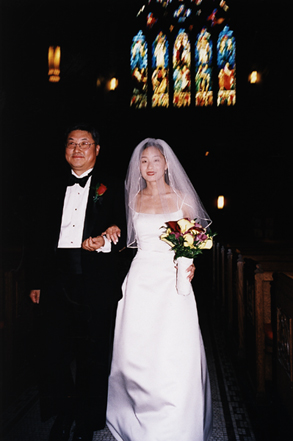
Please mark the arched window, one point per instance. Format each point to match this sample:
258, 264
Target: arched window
181, 70
203, 69
160, 71
139, 70
192, 60
226, 67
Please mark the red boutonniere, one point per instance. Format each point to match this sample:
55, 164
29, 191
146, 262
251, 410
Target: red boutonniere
100, 189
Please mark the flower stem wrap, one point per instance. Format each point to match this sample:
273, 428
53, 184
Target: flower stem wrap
183, 285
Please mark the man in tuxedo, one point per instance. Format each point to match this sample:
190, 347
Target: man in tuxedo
75, 280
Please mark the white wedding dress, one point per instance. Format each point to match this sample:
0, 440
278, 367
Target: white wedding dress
159, 387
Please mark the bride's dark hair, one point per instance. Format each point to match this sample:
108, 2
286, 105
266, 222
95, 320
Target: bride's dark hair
152, 144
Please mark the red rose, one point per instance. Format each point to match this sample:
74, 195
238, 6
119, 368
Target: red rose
174, 226
101, 190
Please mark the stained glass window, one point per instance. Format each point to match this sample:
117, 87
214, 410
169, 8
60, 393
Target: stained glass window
226, 68
181, 70
203, 69
164, 2
191, 56
182, 13
160, 71
139, 70
151, 20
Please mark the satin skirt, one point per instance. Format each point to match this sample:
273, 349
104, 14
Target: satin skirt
159, 386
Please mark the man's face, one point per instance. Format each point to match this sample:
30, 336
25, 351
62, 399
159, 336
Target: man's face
80, 160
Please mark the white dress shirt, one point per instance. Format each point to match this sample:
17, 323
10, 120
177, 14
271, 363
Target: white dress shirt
73, 216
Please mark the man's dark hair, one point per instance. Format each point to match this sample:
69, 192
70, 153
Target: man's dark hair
87, 128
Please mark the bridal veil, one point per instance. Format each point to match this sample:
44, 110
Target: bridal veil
178, 183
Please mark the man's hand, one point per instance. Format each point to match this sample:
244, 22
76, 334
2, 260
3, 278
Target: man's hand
191, 271
113, 233
93, 243
35, 295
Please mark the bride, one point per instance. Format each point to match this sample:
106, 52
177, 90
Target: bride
159, 387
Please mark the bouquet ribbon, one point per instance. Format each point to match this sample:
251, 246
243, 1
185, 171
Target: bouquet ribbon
183, 285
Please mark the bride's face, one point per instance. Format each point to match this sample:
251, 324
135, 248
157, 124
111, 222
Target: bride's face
152, 164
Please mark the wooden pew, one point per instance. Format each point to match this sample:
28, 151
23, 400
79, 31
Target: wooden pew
219, 273
254, 313
282, 320
242, 281
240, 306
224, 281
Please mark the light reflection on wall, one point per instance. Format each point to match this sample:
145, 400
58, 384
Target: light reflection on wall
220, 202
113, 84
254, 77
54, 56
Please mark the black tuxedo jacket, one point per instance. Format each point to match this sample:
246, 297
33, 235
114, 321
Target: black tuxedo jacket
103, 272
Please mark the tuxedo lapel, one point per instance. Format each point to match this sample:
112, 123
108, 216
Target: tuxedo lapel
90, 214
58, 211
93, 207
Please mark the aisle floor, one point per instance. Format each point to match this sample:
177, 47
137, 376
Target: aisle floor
230, 416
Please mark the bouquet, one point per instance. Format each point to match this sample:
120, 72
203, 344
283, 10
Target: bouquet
187, 239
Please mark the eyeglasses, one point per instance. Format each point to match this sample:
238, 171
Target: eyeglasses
84, 145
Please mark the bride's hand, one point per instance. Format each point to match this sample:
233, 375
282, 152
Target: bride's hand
113, 233
191, 271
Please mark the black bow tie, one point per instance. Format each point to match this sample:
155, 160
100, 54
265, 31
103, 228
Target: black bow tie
81, 181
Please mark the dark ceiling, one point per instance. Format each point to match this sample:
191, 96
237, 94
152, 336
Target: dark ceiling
248, 144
